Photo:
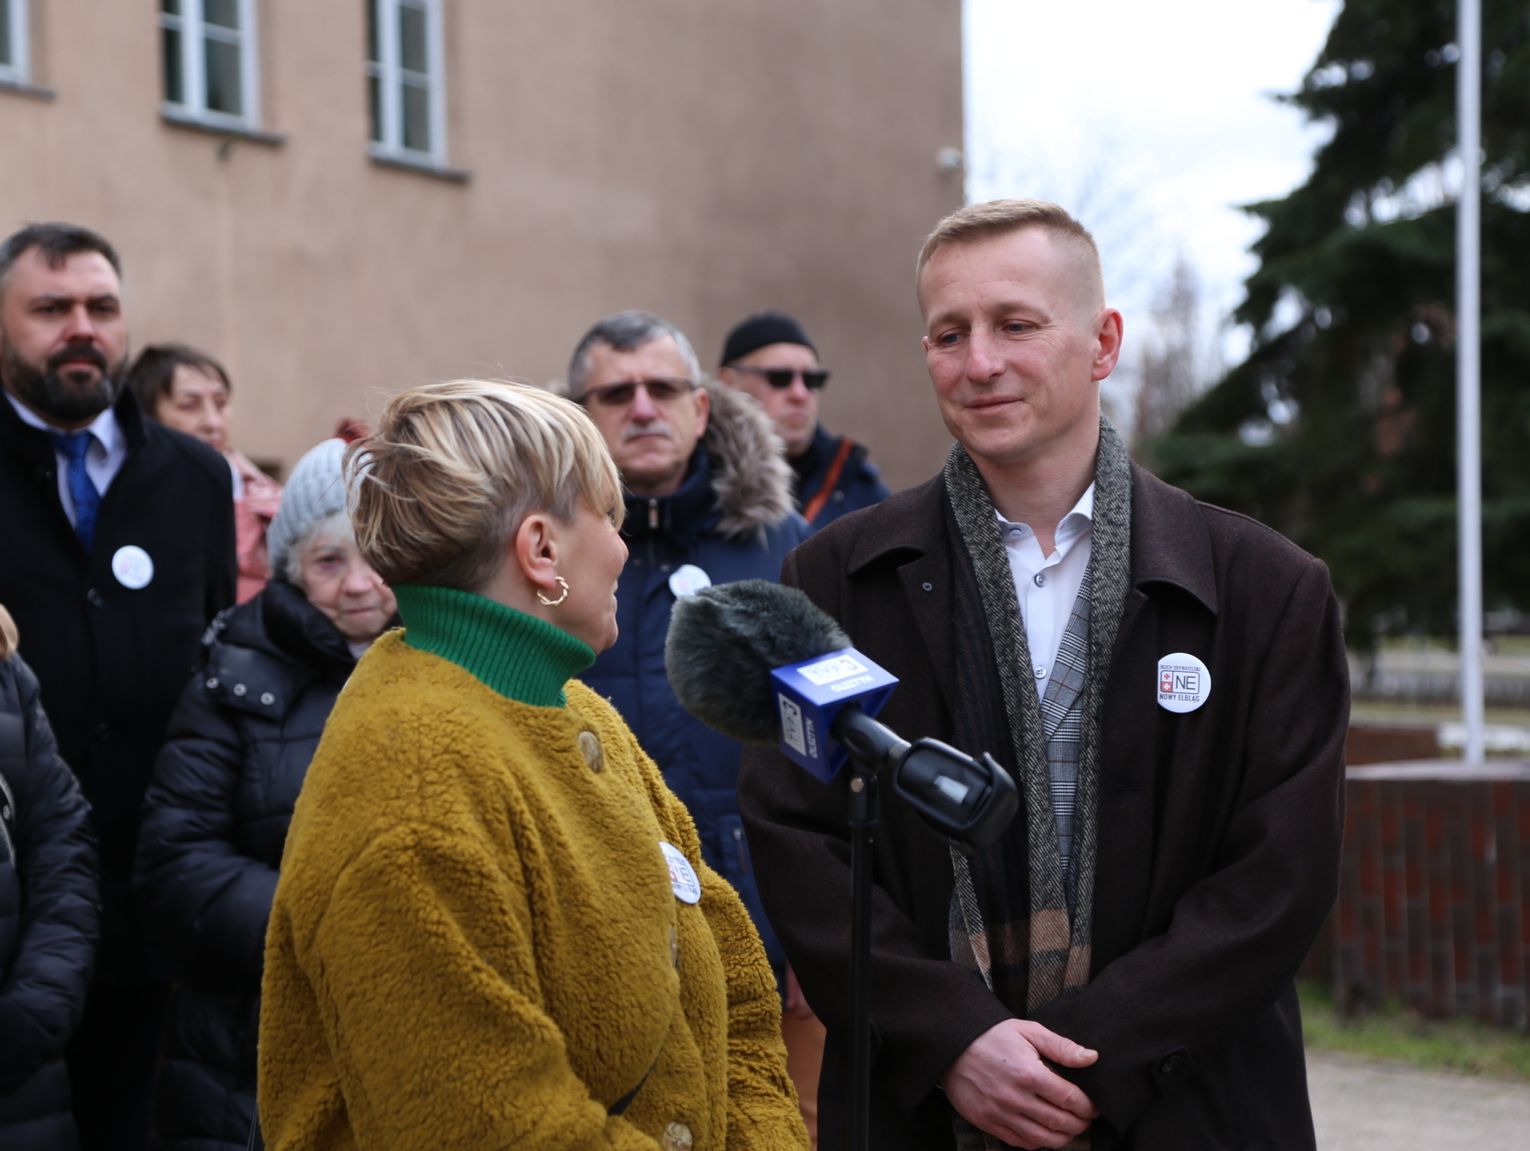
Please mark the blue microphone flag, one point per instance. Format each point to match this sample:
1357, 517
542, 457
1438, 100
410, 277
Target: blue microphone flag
812, 693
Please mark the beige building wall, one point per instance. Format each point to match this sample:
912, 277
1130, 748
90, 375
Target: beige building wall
700, 158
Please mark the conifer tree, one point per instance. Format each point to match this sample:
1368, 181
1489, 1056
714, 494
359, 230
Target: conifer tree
1339, 429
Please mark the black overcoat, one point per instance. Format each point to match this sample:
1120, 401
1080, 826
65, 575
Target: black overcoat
116, 656
1219, 831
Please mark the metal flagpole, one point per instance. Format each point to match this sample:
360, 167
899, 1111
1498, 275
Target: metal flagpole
1468, 372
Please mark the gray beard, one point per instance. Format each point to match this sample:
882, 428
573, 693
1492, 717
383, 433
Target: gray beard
52, 397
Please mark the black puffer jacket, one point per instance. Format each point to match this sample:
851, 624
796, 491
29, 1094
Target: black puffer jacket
50, 917
215, 819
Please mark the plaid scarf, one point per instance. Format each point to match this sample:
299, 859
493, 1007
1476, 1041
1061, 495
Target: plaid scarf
1016, 917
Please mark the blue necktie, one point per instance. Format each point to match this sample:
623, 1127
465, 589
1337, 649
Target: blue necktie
87, 501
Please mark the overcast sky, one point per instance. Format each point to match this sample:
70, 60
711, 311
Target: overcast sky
1151, 121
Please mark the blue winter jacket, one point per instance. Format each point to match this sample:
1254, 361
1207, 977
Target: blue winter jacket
732, 518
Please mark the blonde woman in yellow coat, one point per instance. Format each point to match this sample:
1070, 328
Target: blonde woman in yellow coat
493, 927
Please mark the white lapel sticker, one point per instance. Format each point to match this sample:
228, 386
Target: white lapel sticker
132, 567
682, 876
687, 580
1184, 683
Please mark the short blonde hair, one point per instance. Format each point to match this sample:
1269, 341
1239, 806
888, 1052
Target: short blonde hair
999, 218
455, 467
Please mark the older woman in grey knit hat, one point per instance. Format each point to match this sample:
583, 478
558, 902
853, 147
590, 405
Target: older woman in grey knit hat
223, 789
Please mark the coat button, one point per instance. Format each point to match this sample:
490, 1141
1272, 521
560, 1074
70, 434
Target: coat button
589, 747
267, 698
677, 1137
1172, 1064
212, 683
94, 598
927, 586
240, 689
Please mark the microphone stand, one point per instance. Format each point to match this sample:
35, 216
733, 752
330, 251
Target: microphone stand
970, 802
864, 813
871, 747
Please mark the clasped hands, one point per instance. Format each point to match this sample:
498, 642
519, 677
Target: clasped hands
1001, 1084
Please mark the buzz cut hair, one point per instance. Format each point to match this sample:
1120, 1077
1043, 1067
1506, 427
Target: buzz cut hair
1001, 217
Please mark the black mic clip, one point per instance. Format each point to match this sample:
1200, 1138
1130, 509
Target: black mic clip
969, 801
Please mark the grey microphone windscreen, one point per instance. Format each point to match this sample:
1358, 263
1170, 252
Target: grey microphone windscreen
723, 643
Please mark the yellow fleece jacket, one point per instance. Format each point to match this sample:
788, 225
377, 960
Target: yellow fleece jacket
476, 942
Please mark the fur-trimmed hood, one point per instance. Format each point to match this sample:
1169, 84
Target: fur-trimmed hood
750, 475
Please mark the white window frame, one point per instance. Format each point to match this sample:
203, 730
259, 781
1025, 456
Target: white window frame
18, 70
193, 29
388, 70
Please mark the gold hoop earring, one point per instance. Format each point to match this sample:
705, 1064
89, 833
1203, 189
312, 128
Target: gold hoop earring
562, 583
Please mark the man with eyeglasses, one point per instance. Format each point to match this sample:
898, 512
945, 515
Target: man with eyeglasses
768, 355
708, 502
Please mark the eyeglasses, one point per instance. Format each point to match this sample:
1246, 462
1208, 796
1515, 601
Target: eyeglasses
660, 391
781, 378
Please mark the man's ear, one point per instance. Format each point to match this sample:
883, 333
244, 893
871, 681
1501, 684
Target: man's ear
703, 400
1107, 347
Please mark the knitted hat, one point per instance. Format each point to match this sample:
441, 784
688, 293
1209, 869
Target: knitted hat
314, 492
761, 330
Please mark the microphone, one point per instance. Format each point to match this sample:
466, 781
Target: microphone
761, 663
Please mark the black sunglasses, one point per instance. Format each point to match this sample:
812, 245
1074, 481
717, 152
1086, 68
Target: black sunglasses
779, 378
660, 391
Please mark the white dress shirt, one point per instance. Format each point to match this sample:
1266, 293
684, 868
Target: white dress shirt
1046, 586
103, 459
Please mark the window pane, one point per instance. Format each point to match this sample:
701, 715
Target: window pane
373, 53
174, 91
7, 51
171, 6
411, 38
224, 13
416, 117
374, 102
223, 94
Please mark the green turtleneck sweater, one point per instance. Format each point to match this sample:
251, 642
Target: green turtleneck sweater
515, 654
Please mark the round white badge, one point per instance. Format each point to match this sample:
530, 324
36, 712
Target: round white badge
1184, 683
132, 567
687, 580
682, 876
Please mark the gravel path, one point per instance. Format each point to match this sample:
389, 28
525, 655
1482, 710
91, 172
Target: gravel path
1359, 1105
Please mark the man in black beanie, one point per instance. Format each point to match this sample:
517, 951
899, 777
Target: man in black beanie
769, 356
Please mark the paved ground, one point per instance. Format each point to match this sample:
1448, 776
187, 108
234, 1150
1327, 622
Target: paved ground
1359, 1105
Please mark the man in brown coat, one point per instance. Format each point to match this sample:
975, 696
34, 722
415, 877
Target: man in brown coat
1167, 682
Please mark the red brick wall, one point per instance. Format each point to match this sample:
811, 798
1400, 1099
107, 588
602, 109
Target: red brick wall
1375, 743
1433, 889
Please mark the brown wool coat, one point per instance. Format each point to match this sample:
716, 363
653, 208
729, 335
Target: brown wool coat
1219, 832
